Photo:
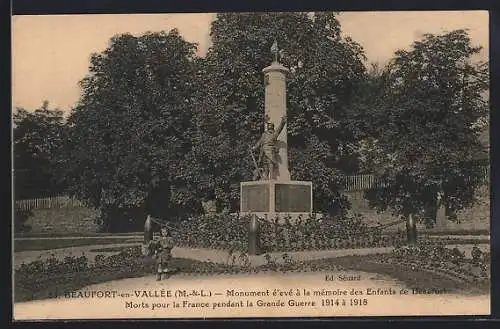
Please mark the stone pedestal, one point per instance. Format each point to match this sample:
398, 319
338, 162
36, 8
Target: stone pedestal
271, 199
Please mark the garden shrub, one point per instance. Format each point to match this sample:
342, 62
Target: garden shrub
230, 232
448, 260
40, 278
121, 220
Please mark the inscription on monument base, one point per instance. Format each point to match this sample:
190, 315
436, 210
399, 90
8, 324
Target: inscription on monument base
274, 197
255, 198
293, 198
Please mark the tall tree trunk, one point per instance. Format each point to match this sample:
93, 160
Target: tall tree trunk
411, 230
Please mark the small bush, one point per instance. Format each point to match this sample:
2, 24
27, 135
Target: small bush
38, 279
223, 231
439, 258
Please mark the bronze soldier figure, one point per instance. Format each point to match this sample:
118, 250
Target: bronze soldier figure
268, 148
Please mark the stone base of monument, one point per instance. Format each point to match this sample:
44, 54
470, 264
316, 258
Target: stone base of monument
276, 199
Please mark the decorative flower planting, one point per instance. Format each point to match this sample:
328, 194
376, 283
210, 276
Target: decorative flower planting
230, 232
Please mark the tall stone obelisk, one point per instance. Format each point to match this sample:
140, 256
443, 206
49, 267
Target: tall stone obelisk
275, 109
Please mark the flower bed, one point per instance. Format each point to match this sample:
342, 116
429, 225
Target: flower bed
423, 267
447, 261
230, 232
48, 278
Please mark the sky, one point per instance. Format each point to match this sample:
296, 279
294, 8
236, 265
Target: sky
50, 53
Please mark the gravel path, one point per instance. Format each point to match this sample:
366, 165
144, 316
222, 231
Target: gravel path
221, 287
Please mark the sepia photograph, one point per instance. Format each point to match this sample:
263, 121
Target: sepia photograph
250, 165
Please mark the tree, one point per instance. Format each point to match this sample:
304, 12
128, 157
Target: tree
131, 129
324, 68
38, 137
422, 134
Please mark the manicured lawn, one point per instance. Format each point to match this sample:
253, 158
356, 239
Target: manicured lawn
47, 244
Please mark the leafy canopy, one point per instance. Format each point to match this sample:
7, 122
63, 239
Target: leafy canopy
230, 109
130, 131
422, 135
38, 136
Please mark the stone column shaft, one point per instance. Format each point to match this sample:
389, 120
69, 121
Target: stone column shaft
275, 109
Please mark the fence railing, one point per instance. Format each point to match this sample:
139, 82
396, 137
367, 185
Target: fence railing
368, 181
47, 203
353, 183
361, 182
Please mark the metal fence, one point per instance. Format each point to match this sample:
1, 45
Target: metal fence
366, 182
48, 203
361, 182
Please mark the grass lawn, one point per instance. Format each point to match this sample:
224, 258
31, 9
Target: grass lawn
47, 244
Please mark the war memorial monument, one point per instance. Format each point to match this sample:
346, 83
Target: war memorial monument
272, 193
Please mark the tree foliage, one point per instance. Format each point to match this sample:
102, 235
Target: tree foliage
130, 131
421, 137
158, 129
37, 137
324, 68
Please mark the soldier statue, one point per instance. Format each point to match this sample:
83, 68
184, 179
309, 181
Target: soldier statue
268, 148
